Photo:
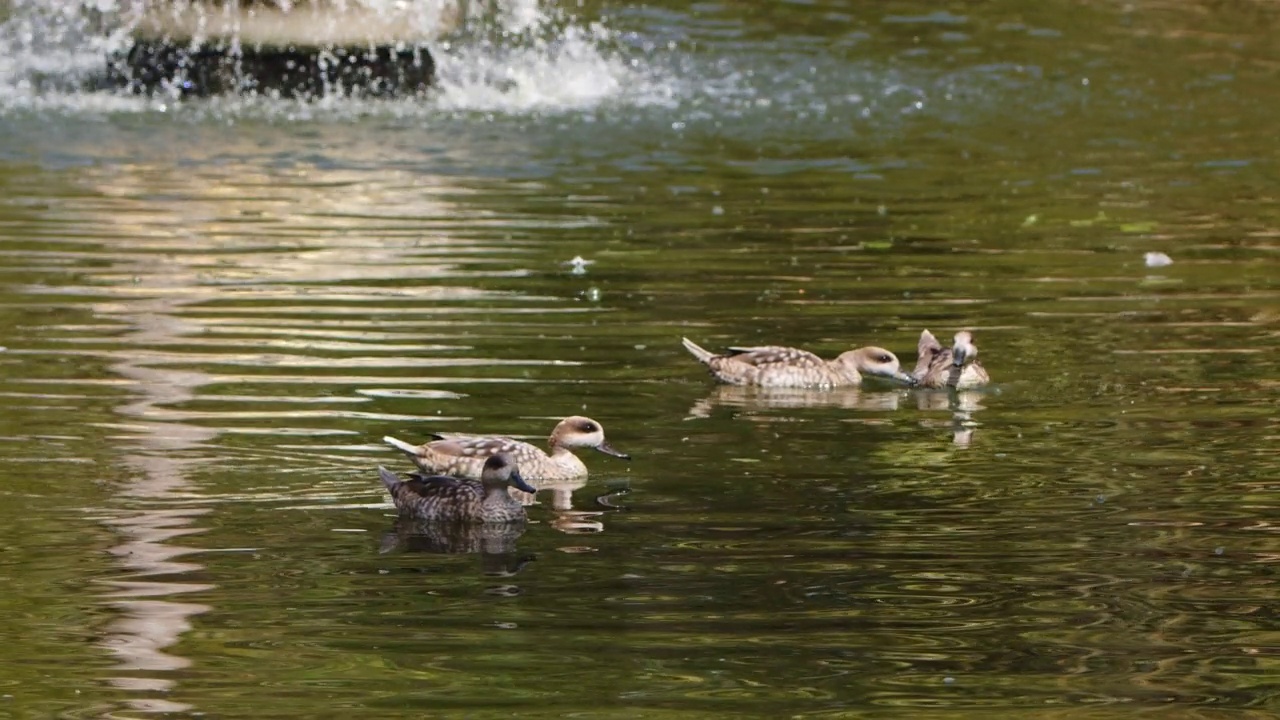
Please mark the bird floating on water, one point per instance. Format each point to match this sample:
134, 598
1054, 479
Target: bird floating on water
956, 367
447, 498
464, 455
778, 366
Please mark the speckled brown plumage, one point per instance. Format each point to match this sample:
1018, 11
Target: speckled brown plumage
777, 366
464, 455
446, 498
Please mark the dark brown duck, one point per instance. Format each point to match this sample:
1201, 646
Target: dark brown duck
442, 497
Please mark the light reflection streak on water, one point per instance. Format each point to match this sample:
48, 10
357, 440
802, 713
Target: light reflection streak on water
168, 295
151, 621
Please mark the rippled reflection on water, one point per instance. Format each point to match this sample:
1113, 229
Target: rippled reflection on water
211, 315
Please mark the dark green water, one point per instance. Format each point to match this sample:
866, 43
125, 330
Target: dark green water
212, 312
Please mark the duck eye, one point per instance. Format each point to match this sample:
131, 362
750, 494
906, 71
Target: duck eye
588, 427
884, 358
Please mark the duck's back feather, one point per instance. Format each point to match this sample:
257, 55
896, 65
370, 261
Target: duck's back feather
441, 497
479, 446
768, 365
765, 355
442, 486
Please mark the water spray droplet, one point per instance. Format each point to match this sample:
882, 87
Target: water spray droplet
578, 265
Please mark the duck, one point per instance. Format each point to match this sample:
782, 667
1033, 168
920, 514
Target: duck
464, 455
776, 366
955, 367
448, 498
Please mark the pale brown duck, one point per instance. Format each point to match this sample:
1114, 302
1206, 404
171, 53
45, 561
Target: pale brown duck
464, 455
777, 366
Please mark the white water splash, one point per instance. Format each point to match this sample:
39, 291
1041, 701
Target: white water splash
570, 73
52, 38
507, 57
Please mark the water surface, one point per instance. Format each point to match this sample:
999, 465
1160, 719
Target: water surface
212, 312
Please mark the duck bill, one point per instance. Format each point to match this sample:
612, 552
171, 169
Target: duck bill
608, 449
519, 483
899, 376
958, 354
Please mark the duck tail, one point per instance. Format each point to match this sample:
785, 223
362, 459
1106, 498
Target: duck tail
696, 350
402, 446
389, 479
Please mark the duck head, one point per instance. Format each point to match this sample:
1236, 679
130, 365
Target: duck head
875, 362
583, 432
964, 351
500, 470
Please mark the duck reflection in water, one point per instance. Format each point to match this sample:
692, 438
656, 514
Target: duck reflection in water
495, 543
781, 398
563, 516
962, 404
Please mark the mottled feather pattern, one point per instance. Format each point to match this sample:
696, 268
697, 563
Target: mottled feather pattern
772, 366
451, 499
464, 454
776, 355
777, 366
478, 446
466, 459
420, 488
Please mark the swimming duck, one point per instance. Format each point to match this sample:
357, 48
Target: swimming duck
442, 497
775, 366
956, 367
464, 455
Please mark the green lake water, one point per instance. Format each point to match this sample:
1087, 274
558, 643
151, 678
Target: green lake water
212, 311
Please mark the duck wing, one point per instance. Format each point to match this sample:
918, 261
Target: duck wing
428, 486
776, 355
928, 344
933, 366
462, 445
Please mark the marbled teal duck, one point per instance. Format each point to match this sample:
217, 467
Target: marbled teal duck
956, 367
775, 366
442, 497
464, 455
